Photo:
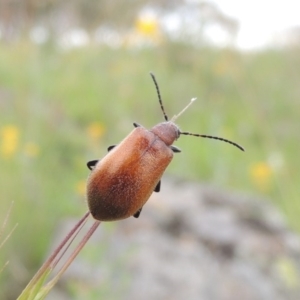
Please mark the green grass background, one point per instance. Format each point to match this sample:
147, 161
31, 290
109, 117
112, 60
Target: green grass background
52, 97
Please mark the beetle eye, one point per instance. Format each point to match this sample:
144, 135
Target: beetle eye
177, 133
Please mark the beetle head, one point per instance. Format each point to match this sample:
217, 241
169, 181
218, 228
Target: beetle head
168, 132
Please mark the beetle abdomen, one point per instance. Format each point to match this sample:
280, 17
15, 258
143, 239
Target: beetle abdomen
125, 178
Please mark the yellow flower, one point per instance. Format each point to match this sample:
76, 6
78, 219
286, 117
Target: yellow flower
31, 149
95, 130
81, 187
261, 174
9, 140
147, 26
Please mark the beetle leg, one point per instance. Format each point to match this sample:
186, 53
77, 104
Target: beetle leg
137, 214
111, 147
157, 188
91, 164
175, 149
136, 125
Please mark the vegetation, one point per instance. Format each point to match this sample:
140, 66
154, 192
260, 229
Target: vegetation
60, 109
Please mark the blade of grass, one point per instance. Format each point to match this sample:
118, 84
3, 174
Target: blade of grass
38, 279
47, 288
67, 246
6, 218
9, 234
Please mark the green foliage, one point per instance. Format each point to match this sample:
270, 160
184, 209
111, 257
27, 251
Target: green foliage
60, 109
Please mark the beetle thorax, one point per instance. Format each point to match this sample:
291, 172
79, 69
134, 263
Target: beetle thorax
168, 132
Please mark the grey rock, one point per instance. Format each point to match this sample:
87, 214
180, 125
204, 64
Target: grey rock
192, 241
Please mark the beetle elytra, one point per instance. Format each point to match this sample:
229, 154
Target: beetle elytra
121, 183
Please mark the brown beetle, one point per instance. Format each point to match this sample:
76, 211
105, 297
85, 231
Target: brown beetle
122, 182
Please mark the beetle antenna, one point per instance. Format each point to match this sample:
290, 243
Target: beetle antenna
214, 137
159, 97
176, 116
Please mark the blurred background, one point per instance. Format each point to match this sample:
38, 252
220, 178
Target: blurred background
74, 76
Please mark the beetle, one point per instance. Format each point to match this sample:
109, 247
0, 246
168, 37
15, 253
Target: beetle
121, 183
